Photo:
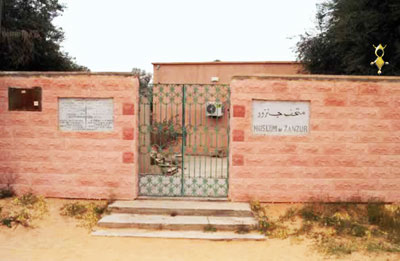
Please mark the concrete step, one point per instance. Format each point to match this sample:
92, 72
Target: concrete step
124, 220
143, 233
182, 208
183, 198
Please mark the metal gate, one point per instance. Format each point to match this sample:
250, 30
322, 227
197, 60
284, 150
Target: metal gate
184, 140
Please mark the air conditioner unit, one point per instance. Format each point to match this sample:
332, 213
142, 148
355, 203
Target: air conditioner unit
214, 109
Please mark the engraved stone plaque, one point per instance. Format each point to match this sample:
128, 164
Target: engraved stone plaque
86, 114
281, 117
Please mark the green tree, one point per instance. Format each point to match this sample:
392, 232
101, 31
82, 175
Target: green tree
28, 39
144, 79
345, 33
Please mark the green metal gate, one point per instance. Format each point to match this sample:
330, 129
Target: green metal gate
184, 140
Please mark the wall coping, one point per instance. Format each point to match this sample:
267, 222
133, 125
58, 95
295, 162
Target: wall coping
360, 78
60, 74
226, 62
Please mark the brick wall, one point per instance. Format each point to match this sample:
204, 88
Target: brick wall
36, 156
351, 153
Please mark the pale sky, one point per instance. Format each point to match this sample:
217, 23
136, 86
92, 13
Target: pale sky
118, 35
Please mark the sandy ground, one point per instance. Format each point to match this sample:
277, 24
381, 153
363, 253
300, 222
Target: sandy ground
57, 238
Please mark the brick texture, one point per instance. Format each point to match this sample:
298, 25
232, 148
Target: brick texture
36, 156
128, 133
351, 153
128, 157
238, 135
237, 160
128, 109
239, 111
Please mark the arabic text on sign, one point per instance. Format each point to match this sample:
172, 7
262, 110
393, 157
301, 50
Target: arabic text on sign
281, 117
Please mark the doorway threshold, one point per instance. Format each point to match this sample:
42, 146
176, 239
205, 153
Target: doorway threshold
184, 198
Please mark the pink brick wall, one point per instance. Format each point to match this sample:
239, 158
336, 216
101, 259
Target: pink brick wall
50, 162
351, 153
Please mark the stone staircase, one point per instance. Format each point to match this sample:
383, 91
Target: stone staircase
213, 220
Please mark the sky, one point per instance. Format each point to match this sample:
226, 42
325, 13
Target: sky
120, 35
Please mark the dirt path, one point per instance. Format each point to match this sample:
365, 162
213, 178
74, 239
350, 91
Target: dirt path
58, 238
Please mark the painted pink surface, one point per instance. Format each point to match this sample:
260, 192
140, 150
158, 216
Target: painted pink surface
351, 153
201, 72
38, 157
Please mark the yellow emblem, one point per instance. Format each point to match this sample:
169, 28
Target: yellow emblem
379, 62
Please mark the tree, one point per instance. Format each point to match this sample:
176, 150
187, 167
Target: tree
346, 31
144, 79
28, 39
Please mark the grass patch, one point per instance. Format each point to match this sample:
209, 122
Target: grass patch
336, 247
6, 192
268, 227
386, 218
209, 228
381, 246
87, 213
242, 229
337, 228
23, 210
27, 200
74, 209
290, 215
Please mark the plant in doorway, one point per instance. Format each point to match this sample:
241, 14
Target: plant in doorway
164, 137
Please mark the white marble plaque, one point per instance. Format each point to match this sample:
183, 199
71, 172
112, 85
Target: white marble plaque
86, 114
281, 117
